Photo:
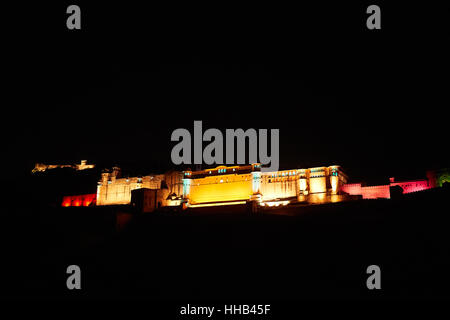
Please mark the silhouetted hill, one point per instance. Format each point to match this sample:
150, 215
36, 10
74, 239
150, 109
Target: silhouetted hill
300, 252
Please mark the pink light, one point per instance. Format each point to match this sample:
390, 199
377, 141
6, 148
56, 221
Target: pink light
352, 189
382, 191
376, 192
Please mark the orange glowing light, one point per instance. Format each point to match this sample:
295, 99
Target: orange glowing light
84, 200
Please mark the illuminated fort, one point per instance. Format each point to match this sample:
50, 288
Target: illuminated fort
222, 186
228, 185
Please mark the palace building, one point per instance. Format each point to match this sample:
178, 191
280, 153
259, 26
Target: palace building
223, 186
239, 184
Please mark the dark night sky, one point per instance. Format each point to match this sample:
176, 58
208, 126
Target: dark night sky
371, 101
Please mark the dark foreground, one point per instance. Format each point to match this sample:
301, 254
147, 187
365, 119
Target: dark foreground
302, 253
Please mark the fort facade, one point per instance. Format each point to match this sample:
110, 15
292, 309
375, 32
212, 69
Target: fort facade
227, 185
112, 189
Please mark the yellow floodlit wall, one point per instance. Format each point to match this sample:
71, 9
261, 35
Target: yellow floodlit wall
279, 184
318, 180
312, 184
221, 188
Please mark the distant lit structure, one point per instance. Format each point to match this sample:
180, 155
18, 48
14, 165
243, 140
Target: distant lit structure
41, 167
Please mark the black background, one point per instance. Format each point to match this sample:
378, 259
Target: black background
372, 101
